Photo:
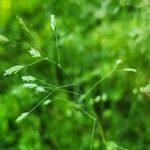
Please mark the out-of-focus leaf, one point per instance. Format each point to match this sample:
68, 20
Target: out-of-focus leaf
145, 90
111, 145
119, 61
3, 39
130, 70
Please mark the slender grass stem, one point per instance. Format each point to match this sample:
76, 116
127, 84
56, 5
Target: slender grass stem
92, 134
70, 79
63, 90
64, 73
35, 62
103, 78
47, 84
42, 101
100, 129
69, 92
57, 48
87, 114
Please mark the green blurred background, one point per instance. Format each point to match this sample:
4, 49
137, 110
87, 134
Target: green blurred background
92, 36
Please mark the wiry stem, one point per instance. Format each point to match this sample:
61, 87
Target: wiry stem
42, 101
57, 48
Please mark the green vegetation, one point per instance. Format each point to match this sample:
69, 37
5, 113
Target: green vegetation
75, 75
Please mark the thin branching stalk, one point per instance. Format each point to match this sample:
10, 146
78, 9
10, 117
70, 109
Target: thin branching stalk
57, 48
42, 100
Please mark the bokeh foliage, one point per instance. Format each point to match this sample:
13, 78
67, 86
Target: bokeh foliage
92, 36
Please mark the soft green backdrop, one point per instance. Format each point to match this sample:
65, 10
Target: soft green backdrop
93, 34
